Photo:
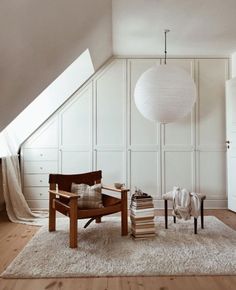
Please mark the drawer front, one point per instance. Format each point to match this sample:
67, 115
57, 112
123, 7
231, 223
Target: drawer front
36, 180
38, 204
40, 154
36, 193
40, 167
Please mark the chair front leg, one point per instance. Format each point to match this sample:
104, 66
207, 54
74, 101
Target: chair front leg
98, 220
124, 214
73, 223
52, 213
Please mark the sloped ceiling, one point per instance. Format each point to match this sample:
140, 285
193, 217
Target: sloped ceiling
39, 39
200, 27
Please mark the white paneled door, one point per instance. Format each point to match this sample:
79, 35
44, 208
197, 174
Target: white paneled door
231, 142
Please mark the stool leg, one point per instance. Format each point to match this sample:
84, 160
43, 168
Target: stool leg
195, 226
202, 214
174, 218
166, 214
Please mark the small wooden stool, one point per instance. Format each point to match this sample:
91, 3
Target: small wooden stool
168, 196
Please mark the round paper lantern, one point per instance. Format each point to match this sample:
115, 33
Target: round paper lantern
165, 93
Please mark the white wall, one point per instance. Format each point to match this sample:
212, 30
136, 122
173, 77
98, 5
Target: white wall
196, 27
39, 39
100, 128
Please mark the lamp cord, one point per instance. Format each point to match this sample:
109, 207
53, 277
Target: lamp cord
166, 31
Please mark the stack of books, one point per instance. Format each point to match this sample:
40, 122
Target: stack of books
142, 216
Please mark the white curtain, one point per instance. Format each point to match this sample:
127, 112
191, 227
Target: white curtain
17, 208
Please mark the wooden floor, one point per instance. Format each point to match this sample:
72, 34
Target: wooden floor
13, 237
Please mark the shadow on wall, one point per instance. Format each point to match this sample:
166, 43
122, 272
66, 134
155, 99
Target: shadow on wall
1, 188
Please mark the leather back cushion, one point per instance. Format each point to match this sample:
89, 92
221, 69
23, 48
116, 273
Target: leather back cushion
65, 181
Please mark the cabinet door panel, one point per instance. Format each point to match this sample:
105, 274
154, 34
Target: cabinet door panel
211, 113
212, 179
110, 101
40, 154
180, 132
143, 131
76, 120
36, 180
40, 167
75, 162
45, 137
144, 172
112, 166
178, 170
36, 193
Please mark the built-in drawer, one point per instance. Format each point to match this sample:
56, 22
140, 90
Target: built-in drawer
38, 204
36, 193
36, 180
40, 167
32, 154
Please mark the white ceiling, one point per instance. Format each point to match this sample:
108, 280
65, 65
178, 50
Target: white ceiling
200, 27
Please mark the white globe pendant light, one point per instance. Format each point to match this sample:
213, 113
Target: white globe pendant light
165, 93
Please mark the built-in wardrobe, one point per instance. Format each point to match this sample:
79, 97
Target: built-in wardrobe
99, 127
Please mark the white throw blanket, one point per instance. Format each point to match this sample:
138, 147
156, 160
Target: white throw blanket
185, 204
17, 208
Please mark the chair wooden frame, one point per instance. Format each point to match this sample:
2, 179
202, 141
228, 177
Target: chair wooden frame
65, 202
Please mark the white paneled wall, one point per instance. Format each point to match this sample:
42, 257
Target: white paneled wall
210, 129
110, 122
177, 145
100, 128
75, 133
143, 137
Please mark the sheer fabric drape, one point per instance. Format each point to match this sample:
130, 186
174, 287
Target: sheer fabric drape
16, 206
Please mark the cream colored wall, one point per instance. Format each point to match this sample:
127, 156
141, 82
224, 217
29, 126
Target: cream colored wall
39, 39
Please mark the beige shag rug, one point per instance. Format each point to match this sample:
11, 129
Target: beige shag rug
103, 252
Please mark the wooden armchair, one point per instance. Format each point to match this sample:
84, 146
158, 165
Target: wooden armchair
65, 202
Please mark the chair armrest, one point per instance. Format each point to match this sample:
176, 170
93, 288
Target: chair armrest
114, 189
65, 194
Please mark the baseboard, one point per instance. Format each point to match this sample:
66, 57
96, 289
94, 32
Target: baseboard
216, 204
159, 204
208, 204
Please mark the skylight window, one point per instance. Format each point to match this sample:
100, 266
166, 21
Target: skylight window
45, 104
